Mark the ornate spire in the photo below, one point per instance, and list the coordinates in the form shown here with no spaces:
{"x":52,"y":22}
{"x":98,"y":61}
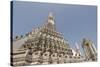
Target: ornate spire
{"x":50,"y":24}
{"x":51,"y":18}
{"x":77,"y":46}
{"x":50,"y":15}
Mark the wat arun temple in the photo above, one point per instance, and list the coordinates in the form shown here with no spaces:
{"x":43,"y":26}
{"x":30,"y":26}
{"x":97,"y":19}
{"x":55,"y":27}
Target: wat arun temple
{"x":45,"y":45}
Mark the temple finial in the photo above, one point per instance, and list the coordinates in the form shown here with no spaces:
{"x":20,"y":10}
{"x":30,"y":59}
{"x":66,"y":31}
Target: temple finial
{"x":51,"y":18}
{"x":50,"y":15}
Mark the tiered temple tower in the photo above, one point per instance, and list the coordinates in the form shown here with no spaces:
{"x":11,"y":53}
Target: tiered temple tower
{"x":89,"y":50}
{"x":44,"y":45}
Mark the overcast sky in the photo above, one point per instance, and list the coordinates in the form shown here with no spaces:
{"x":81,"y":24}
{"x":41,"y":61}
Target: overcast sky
{"x":74,"y":21}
